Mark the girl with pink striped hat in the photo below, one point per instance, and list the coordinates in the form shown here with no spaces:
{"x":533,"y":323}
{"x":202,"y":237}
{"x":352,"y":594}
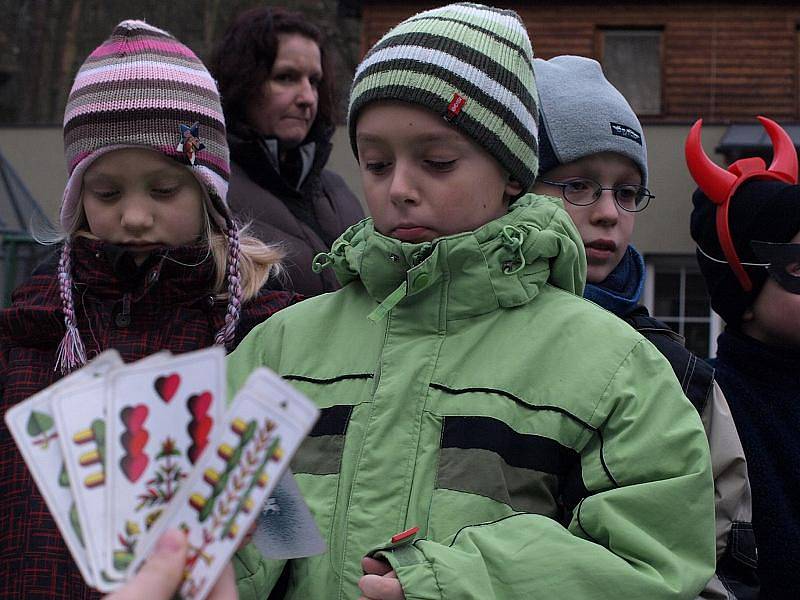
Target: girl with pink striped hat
{"x":151,"y":259}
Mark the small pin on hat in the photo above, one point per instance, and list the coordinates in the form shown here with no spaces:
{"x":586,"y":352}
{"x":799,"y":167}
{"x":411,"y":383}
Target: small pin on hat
{"x":190,"y":143}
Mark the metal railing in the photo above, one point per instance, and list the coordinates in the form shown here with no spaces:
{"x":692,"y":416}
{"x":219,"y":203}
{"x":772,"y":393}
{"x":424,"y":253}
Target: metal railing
{"x":19,"y":252}
{"x":19,"y":255}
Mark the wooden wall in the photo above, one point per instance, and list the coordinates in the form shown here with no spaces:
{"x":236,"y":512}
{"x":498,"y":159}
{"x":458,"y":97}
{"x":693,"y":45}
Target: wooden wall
{"x":724,"y":61}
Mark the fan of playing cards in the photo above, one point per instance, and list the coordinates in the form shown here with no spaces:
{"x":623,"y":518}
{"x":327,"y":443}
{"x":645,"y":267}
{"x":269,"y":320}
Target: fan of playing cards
{"x":123,"y":452}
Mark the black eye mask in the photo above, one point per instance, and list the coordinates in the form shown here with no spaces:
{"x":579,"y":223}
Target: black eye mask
{"x":779,"y":257}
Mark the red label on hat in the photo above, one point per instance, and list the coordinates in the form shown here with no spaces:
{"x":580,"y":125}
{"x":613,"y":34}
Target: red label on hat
{"x":455,"y":106}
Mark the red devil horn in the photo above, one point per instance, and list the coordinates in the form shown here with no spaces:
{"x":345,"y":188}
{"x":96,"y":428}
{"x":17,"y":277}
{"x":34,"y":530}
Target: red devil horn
{"x":785,"y":161}
{"x":715,"y":181}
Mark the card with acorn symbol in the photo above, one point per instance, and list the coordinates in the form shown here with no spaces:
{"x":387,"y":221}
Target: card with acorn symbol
{"x":160,"y":418}
{"x":221,"y":499}
{"x":80,"y":416}
{"x":34,"y":429}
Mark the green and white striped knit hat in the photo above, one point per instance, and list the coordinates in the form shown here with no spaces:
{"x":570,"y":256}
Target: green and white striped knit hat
{"x":470,"y":63}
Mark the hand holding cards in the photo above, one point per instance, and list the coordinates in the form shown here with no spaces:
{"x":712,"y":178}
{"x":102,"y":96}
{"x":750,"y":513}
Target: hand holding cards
{"x":123,"y":452}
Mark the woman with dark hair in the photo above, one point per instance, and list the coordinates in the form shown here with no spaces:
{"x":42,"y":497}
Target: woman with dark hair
{"x":275,"y":79}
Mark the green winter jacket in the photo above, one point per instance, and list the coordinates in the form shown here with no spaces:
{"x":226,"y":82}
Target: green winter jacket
{"x":542,"y":446}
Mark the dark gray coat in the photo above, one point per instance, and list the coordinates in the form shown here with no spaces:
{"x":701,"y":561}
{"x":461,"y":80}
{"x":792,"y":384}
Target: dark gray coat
{"x":305,"y":221}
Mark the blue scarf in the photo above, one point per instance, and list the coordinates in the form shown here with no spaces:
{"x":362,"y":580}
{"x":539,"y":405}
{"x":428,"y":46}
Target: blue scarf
{"x":621,"y":291}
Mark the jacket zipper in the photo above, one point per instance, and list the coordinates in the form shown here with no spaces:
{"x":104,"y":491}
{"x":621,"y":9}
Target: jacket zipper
{"x":377,"y":376}
{"x":123,"y":319}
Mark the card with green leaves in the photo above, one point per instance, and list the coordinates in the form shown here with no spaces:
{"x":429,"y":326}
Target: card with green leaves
{"x":33,"y":427}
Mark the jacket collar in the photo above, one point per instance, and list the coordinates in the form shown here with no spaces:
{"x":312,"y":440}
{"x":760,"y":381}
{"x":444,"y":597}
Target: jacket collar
{"x":182,"y":274}
{"x":502,"y":264}
{"x":758,"y":360}
{"x":307,"y":153}
{"x":621,"y":291}
{"x":249,"y":152}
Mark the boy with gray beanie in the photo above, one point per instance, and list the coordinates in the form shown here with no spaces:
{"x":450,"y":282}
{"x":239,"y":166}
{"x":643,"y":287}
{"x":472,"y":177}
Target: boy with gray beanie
{"x":473,"y":442}
{"x":593,"y":156}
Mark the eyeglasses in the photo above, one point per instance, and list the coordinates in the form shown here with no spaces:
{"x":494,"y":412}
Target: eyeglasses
{"x":583,"y":192}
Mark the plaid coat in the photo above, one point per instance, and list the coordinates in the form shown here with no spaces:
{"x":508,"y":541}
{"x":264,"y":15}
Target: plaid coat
{"x":165,"y":305}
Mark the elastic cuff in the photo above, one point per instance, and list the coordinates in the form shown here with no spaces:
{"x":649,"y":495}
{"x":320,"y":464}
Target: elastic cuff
{"x":415,"y":572}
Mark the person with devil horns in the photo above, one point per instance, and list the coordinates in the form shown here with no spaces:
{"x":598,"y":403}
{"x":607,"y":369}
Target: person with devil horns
{"x":746,"y":222}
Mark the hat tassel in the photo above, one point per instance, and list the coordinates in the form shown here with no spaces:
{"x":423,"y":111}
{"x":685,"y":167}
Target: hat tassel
{"x":71,"y":352}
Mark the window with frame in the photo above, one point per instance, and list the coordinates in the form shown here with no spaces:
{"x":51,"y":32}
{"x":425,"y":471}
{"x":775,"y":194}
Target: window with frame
{"x":631,"y":61}
{"x":675,"y":293}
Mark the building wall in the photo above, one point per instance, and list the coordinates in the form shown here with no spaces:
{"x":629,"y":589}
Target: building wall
{"x":663,"y":227}
{"x":37,"y":155}
{"x":344,"y":163}
{"x":720,"y":60}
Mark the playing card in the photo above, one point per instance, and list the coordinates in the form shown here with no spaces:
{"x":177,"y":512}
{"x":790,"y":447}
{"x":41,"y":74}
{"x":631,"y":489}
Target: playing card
{"x":80,"y":420}
{"x":219,"y":502}
{"x":285,"y":528}
{"x":32,"y":424}
{"x":160,"y":418}
{"x":79,"y":413}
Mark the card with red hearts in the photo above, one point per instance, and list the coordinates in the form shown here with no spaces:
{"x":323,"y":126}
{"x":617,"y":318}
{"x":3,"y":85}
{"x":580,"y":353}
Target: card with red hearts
{"x":160,"y":417}
{"x":221,"y":499}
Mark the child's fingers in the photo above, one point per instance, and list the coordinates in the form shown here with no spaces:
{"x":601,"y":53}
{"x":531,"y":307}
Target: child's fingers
{"x":377,"y":587}
{"x":248,"y":537}
{"x":225,"y":588}
{"x":372,"y":566}
{"x":161,"y":574}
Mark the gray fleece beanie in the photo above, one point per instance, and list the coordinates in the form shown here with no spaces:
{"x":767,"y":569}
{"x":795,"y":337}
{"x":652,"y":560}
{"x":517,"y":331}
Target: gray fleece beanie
{"x":581,"y":113}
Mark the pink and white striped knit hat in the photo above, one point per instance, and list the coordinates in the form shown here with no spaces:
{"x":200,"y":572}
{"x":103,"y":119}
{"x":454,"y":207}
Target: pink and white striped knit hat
{"x":143,"y":88}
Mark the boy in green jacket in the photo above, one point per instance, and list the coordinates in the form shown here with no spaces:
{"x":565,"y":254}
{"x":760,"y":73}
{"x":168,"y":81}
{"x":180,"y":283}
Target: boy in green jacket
{"x":485,"y":432}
